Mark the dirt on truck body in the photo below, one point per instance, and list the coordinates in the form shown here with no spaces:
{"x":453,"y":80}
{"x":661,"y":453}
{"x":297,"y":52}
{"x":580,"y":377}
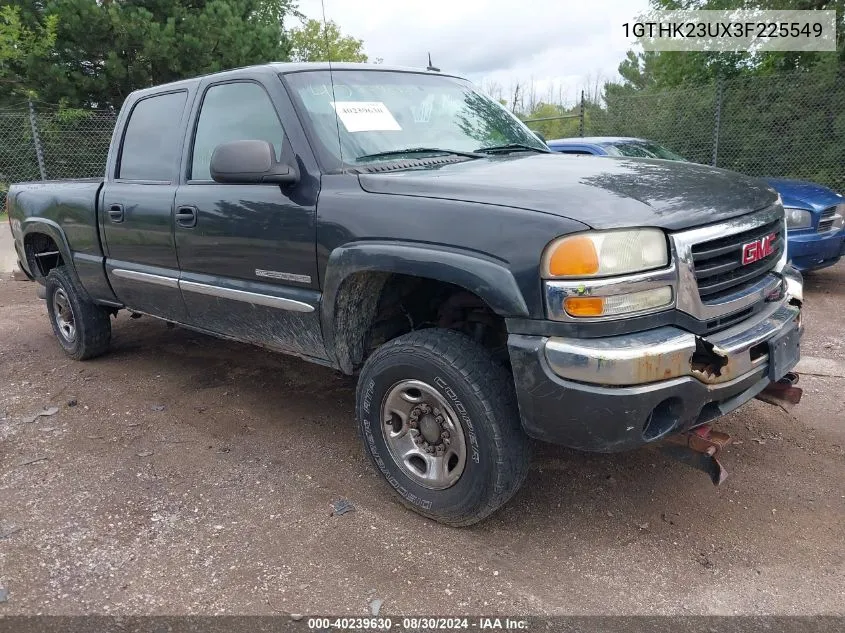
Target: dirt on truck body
{"x":414,"y":234}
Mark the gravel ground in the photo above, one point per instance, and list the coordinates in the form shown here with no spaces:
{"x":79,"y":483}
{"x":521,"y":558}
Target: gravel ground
{"x":183,"y":474}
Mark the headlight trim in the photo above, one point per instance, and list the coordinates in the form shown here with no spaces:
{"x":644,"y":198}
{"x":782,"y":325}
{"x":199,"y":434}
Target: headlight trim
{"x":557,"y":290}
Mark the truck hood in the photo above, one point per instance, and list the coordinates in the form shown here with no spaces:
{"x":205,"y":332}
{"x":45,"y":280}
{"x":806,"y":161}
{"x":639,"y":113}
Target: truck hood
{"x":600,"y":192}
{"x":805,"y":195}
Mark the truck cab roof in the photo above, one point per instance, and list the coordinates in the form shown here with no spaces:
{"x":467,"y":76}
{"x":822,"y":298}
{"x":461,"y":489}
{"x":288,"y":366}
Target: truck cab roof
{"x":283,"y":68}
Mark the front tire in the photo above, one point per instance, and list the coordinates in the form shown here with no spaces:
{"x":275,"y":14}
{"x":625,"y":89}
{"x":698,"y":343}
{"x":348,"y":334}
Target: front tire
{"x":440,"y":422}
{"x":82,"y":328}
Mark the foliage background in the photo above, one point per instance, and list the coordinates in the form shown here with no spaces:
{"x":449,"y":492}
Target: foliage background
{"x":77,"y":60}
{"x":777,"y":114}
{"x":787,"y":124}
{"x":765,"y":114}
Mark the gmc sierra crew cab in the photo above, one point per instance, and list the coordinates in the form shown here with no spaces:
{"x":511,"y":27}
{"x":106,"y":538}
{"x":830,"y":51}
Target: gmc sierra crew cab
{"x":401,"y":226}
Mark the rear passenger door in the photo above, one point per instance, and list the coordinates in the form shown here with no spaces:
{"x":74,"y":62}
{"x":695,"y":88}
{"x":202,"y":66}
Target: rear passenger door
{"x":248,"y":251}
{"x":136,"y":207}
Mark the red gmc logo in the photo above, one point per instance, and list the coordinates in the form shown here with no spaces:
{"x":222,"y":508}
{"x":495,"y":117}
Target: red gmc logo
{"x":759,"y":249}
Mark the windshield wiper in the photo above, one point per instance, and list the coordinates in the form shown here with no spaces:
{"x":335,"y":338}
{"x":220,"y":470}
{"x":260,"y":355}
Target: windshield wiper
{"x":511,"y":147}
{"x":418,"y":150}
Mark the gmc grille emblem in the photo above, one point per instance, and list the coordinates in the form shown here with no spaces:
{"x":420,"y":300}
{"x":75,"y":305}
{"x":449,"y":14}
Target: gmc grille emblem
{"x":758,"y":249}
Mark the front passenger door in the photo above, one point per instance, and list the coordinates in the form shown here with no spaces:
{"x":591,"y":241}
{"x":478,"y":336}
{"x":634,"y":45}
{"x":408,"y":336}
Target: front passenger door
{"x":247,"y":252}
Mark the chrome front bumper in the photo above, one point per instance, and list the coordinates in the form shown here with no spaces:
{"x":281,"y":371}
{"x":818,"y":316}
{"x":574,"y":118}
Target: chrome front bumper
{"x":670,"y":352}
{"x":621,"y":392}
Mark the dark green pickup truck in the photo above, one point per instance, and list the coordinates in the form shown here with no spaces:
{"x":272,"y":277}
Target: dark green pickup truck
{"x":401,"y":226}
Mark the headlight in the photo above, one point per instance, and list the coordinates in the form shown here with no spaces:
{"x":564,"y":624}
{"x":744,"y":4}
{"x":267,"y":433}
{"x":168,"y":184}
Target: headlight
{"x":798,"y":218}
{"x":605,"y":253}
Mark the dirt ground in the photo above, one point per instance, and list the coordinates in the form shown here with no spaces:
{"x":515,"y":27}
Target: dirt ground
{"x":182,"y":474}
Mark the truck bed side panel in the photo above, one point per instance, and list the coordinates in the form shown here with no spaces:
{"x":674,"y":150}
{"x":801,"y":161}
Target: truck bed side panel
{"x":66,"y":211}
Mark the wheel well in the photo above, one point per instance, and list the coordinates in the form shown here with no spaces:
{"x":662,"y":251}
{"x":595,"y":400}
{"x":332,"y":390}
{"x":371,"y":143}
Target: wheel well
{"x":375,"y":307}
{"x":42,"y":254}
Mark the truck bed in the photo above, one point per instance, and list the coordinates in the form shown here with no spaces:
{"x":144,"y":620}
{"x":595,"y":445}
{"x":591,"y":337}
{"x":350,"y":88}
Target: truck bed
{"x":59,"y":208}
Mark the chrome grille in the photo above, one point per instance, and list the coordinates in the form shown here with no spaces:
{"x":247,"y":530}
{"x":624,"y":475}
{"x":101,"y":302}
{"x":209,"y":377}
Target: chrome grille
{"x":718,"y":267}
{"x":827,"y":219}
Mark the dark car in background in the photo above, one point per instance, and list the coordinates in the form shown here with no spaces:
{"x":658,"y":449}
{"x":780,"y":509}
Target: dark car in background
{"x":814,"y":213}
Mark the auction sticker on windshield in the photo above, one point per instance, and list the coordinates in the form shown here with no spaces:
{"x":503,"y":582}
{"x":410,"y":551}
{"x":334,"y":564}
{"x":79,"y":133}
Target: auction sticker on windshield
{"x":365,"y":116}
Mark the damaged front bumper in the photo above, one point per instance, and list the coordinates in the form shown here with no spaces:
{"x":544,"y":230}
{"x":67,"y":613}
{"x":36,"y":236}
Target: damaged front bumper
{"x":669,"y":352}
{"x":620,"y":392}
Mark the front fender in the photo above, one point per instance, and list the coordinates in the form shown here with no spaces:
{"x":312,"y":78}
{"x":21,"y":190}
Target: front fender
{"x":485,"y":277}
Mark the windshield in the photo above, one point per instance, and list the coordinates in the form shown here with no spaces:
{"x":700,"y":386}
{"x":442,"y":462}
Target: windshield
{"x":641,"y":149}
{"x":385,"y":112}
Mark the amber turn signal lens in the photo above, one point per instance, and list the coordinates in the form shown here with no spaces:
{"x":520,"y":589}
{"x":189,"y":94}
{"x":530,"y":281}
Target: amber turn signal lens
{"x":574,"y":257}
{"x":584,"y":306}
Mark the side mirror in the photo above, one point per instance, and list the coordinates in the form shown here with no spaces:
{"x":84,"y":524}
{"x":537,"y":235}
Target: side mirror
{"x":250,"y":162}
{"x":539,"y":135}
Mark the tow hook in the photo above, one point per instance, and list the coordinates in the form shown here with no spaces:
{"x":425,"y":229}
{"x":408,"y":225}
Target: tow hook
{"x":782,"y":393}
{"x":700,"y":449}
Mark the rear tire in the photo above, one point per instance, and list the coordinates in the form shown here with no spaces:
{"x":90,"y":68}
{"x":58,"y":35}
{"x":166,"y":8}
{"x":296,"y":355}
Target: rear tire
{"x":440,"y":422}
{"x":82,"y":328}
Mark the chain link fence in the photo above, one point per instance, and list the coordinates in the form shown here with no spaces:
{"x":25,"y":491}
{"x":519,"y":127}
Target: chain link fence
{"x":790,"y":126}
{"x":786,"y":125}
{"x":51,"y":143}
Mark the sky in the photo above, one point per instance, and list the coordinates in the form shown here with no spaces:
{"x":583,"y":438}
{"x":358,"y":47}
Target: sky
{"x":562,"y":45}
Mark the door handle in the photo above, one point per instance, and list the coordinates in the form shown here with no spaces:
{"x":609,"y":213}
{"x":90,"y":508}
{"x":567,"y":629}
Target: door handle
{"x":116,"y":212}
{"x":186,"y":216}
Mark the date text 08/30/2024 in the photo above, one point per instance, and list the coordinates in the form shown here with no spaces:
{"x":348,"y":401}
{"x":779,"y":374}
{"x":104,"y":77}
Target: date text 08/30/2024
{"x":422,"y":623}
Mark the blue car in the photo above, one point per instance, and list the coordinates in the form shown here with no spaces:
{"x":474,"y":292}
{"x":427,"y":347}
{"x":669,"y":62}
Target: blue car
{"x":814,"y":214}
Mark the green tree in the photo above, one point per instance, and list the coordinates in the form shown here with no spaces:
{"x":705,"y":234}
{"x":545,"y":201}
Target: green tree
{"x":779,"y":113}
{"x":668,"y":69}
{"x":314,"y":42}
{"x":105,"y":49}
{"x":554,"y":128}
{"x":20,"y":44}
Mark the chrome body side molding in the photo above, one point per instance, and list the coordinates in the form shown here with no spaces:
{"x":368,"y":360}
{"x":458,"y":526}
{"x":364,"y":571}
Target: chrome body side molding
{"x":134,"y":275}
{"x":254,"y":298}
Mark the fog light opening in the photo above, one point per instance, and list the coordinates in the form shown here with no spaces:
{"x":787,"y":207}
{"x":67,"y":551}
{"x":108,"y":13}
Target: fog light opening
{"x":663,"y":419}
